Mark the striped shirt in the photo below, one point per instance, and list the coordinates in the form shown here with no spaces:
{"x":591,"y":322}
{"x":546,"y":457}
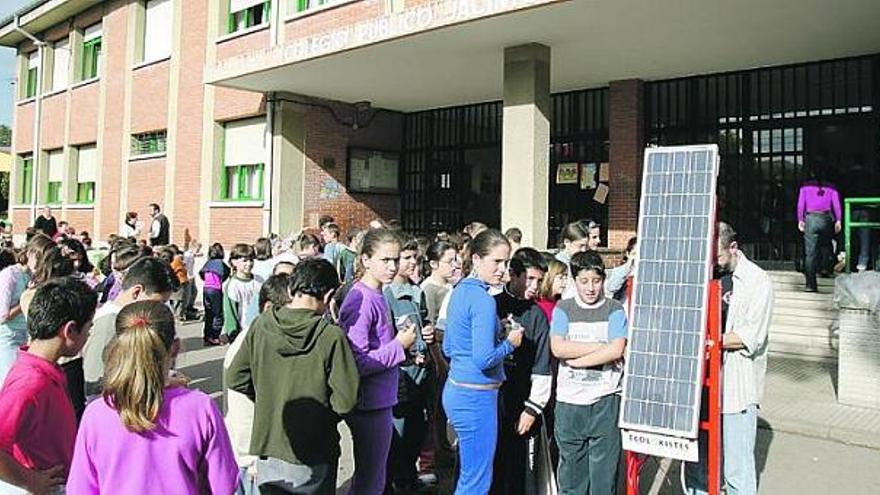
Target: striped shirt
{"x":581,"y":322}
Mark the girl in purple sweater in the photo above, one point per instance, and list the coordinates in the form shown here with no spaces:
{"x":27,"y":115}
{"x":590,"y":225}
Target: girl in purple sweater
{"x":147,"y":434}
{"x":378,"y":351}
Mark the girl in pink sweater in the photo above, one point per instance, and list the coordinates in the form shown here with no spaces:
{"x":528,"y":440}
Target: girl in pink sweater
{"x":147,"y":434}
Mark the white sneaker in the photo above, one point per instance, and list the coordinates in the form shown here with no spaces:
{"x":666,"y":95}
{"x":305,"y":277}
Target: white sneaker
{"x":861,"y":268}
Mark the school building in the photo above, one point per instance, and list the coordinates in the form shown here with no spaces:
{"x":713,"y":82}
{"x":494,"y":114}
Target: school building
{"x":244,"y":117}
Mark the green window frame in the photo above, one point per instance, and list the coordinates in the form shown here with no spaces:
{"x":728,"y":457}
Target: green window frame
{"x":27,"y":177}
{"x":304,"y":5}
{"x":31,"y":87}
{"x":91,"y":56}
{"x":85,"y":193}
{"x":249,"y":17}
{"x":53,"y":193}
{"x":234,"y":182}
{"x":148,"y":143}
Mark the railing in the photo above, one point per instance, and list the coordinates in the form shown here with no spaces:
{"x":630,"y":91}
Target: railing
{"x":848,"y":224}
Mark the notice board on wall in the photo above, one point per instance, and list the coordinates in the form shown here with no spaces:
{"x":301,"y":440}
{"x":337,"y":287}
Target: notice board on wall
{"x":373,"y":171}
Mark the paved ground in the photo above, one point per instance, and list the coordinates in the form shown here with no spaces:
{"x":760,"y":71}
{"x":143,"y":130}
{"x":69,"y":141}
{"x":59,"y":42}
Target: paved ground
{"x":807,"y":443}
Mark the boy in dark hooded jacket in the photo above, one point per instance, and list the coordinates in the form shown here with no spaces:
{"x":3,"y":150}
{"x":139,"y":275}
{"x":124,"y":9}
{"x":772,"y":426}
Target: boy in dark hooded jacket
{"x":301,"y":374}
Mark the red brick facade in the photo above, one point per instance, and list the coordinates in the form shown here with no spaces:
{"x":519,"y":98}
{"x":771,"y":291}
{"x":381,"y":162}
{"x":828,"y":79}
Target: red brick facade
{"x":130,"y":99}
{"x":328,"y":143}
{"x":626,"y":133}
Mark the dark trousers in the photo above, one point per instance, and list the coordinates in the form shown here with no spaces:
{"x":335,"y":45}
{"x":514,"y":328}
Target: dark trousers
{"x":410,"y":427}
{"x":511,"y":457}
{"x":589,"y":447}
{"x":818,"y":231}
{"x":213,"y":313}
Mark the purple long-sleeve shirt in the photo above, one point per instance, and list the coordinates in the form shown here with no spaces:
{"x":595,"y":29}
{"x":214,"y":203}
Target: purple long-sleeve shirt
{"x":188,"y":453}
{"x":367,"y":320}
{"x":816,"y":198}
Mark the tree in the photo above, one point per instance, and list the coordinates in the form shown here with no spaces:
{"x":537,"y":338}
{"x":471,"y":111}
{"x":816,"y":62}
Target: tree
{"x":5,"y":135}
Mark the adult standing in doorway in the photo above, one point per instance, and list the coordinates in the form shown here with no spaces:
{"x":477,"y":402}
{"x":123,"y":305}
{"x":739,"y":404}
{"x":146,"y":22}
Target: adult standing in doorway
{"x":819,"y":218}
{"x":46,"y":223}
{"x":160,"y":230}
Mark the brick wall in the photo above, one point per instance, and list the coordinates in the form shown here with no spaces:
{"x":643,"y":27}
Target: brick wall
{"x":84,"y":114}
{"x":115,"y":32}
{"x":326,"y":138}
{"x":149,"y":100}
{"x":232,"y":225}
{"x":190,"y":112}
{"x":21,"y":220}
{"x":146,"y":184}
{"x":81,"y":220}
{"x":52,"y":122}
{"x":626,"y":134}
{"x":23,"y":134}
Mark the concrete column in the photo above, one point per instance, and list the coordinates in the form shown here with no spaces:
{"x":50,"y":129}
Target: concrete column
{"x":288,"y":168}
{"x":627,"y":135}
{"x":525,"y":152}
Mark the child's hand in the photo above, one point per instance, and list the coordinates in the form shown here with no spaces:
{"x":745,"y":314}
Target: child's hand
{"x":428,"y":334}
{"x":515,"y":337}
{"x":407,"y":336}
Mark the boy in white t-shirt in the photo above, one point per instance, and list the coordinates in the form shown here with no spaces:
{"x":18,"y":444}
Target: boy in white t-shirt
{"x":588,"y":335}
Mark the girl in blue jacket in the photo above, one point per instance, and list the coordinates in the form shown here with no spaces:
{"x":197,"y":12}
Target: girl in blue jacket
{"x":477,"y":347}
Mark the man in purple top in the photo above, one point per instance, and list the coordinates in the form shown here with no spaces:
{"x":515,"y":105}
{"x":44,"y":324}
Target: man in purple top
{"x":819,"y":218}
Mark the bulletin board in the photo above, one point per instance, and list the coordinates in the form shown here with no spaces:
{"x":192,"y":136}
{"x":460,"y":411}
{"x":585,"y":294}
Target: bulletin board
{"x":373,"y":171}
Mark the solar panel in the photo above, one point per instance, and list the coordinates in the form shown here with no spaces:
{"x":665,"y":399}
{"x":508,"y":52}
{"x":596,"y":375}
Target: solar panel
{"x":664,"y":359}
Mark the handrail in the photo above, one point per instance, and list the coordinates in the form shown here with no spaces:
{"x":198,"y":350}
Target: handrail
{"x":849,"y":224}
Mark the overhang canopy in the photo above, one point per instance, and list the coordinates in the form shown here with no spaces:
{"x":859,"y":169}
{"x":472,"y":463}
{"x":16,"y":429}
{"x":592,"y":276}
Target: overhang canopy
{"x":592,"y":42}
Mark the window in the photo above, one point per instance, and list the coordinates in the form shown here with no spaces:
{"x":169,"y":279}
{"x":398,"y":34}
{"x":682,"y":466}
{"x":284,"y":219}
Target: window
{"x":91,"y":53}
{"x":148,"y":143}
{"x":157,"y":30}
{"x":86,"y":172}
{"x":55,"y":161}
{"x":33,"y":63}
{"x":246,"y":13}
{"x":60,"y":64}
{"x":244,"y":153}
{"x":304,"y":5}
{"x":242,"y":182}
{"x":25,"y":184}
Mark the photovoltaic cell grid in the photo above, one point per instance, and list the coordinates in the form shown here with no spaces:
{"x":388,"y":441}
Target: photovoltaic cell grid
{"x":663,"y":369}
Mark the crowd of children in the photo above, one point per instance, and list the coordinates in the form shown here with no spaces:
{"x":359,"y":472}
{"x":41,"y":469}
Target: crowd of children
{"x":394,"y":334}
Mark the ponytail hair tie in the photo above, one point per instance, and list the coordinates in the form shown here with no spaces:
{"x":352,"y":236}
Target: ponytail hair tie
{"x":140,"y":321}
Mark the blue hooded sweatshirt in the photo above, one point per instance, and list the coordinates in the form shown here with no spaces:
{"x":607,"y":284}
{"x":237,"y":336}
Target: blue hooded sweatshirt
{"x":473,"y":339}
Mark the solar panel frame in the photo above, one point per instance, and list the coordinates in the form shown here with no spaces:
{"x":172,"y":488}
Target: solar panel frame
{"x":651,"y":185}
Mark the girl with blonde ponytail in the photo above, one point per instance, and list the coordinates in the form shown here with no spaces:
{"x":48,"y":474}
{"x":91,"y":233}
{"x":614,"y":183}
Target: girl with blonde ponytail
{"x":149,"y":435}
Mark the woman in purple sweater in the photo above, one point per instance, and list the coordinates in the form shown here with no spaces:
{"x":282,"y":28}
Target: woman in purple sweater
{"x":378,"y":351}
{"x":819,"y":218}
{"x":149,"y":435}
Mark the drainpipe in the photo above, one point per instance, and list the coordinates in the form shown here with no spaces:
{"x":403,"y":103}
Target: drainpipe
{"x":38,"y":112}
{"x":268,"y":171}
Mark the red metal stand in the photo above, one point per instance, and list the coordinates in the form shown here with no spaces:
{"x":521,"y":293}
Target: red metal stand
{"x":712,"y":385}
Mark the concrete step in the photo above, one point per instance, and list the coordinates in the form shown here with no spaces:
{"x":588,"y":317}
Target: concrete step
{"x":786,"y":302}
{"x":801,"y":355}
{"x":807,"y":321}
{"x":790,"y":277}
{"x":817,"y":298}
{"x":805,"y":309}
{"x":803,"y":331}
{"x":814,"y":347}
